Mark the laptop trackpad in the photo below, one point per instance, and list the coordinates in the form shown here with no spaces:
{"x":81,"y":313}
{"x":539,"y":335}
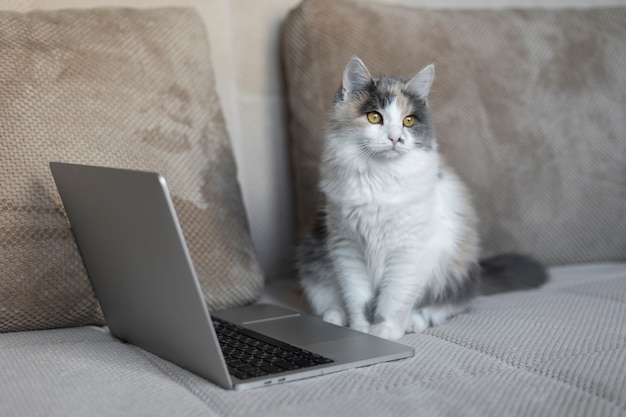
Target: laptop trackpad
{"x":301,"y":330}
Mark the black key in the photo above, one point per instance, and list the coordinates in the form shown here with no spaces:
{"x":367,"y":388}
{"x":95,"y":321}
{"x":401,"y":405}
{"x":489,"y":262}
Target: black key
{"x":257,"y":363}
{"x":305,"y":363}
{"x":237,"y":373}
{"x":263,"y":355}
{"x":251,"y":350}
{"x":317,"y":358}
{"x":271,"y":369}
{"x":257,"y":372}
{"x":287,"y":365}
{"x":247,"y":368}
{"x":235,"y":363}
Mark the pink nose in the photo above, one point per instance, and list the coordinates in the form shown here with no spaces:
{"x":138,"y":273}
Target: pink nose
{"x":395,"y":135}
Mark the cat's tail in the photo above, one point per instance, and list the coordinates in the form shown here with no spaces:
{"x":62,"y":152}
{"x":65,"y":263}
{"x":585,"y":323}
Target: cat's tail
{"x":511,"y":272}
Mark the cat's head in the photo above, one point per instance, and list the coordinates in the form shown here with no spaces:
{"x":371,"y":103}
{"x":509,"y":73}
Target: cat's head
{"x":382,"y":117}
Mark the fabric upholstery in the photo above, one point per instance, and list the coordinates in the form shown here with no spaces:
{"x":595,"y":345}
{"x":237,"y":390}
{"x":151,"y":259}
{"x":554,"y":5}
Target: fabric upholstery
{"x":557,"y":351}
{"x":528,"y":108}
{"x":122,"y":88}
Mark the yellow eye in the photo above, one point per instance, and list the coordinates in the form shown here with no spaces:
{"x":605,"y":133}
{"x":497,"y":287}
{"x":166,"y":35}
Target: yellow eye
{"x":374,"y":117}
{"x":408,"y":121}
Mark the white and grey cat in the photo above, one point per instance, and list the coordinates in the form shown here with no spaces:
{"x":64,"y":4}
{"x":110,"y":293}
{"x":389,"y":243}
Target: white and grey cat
{"x":396,"y":246}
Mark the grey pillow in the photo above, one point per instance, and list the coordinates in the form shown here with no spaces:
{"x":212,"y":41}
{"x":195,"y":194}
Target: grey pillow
{"x":528,"y":106}
{"x":122,"y":88}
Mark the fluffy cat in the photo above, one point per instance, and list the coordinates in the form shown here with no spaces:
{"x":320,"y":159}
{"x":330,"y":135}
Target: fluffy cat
{"x":396,"y":246}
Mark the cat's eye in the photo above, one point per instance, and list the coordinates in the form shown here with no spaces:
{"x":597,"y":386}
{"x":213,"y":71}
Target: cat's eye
{"x":374,"y":117}
{"x":408,"y":121}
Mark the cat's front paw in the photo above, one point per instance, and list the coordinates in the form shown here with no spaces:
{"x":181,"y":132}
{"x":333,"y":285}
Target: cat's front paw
{"x":335,"y":316}
{"x":417,"y":323}
{"x":360,"y":327}
{"x":387,"y":331}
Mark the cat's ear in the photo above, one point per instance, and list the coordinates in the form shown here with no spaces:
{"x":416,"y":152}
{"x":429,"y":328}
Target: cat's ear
{"x":355,"y":77}
{"x":421,"y":83}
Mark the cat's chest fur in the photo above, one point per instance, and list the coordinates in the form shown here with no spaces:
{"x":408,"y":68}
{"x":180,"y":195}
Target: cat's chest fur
{"x":381,"y":184}
{"x":384,"y":205}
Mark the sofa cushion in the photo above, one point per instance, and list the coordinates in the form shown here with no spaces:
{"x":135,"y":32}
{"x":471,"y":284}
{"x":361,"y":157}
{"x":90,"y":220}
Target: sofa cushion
{"x":556,"y":351}
{"x":528,"y":107}
{"x":115,"y":87}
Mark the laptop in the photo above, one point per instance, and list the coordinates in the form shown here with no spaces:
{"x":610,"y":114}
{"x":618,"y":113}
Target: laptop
{"x":136,"y":257}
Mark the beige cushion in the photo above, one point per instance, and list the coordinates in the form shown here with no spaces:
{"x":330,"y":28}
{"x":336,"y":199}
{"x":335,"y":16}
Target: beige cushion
{"x":529,"y":109}
{"x":122,"y":88}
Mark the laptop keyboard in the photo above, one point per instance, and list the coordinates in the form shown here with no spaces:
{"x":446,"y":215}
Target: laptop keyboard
{"x":249,"y":354}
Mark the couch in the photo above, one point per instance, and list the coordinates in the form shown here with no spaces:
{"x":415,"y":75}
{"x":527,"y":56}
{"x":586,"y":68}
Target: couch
{"x":529,"y":109}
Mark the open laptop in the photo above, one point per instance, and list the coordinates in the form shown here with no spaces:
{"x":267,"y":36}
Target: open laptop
{"x":136,"y":257}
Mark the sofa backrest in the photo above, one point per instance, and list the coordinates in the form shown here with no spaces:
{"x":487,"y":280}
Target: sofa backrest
{"x":528,"y":107}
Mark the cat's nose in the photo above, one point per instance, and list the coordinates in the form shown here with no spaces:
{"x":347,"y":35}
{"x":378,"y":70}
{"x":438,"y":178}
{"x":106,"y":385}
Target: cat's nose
{"x":395,"y":135}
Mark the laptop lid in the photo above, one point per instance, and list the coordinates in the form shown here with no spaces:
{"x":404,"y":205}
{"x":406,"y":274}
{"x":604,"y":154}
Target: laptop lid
{"x":131,"y":241}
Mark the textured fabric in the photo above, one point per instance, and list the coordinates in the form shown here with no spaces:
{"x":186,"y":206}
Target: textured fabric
{"x":84,"y":372}
{"x":122,"y":88}
{"x":528,"y":107}
{"x":558,"y":351}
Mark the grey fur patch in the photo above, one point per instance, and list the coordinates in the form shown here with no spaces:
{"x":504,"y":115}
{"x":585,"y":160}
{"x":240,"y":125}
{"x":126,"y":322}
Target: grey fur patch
{"x":457,"y":290}
{"x":511,"y":272}
{"x":313,"y":262}
{"x":370,"y":311}
{"x":378,"y":95}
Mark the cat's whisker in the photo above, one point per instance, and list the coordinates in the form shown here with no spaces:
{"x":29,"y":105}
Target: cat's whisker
{"x":366,"y":151}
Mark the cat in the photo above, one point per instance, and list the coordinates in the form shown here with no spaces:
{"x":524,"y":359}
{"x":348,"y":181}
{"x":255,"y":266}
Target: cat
{"x":396,"y":245}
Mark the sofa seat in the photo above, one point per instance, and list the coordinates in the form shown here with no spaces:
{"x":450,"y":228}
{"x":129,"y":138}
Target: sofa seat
{"x":558,"y":350}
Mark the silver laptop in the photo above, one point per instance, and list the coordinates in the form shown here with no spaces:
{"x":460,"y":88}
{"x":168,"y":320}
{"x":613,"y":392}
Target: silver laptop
{"x":129,"y":236}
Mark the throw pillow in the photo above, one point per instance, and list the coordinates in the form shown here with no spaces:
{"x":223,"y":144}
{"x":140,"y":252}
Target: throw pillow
{"x":122,"y":88}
